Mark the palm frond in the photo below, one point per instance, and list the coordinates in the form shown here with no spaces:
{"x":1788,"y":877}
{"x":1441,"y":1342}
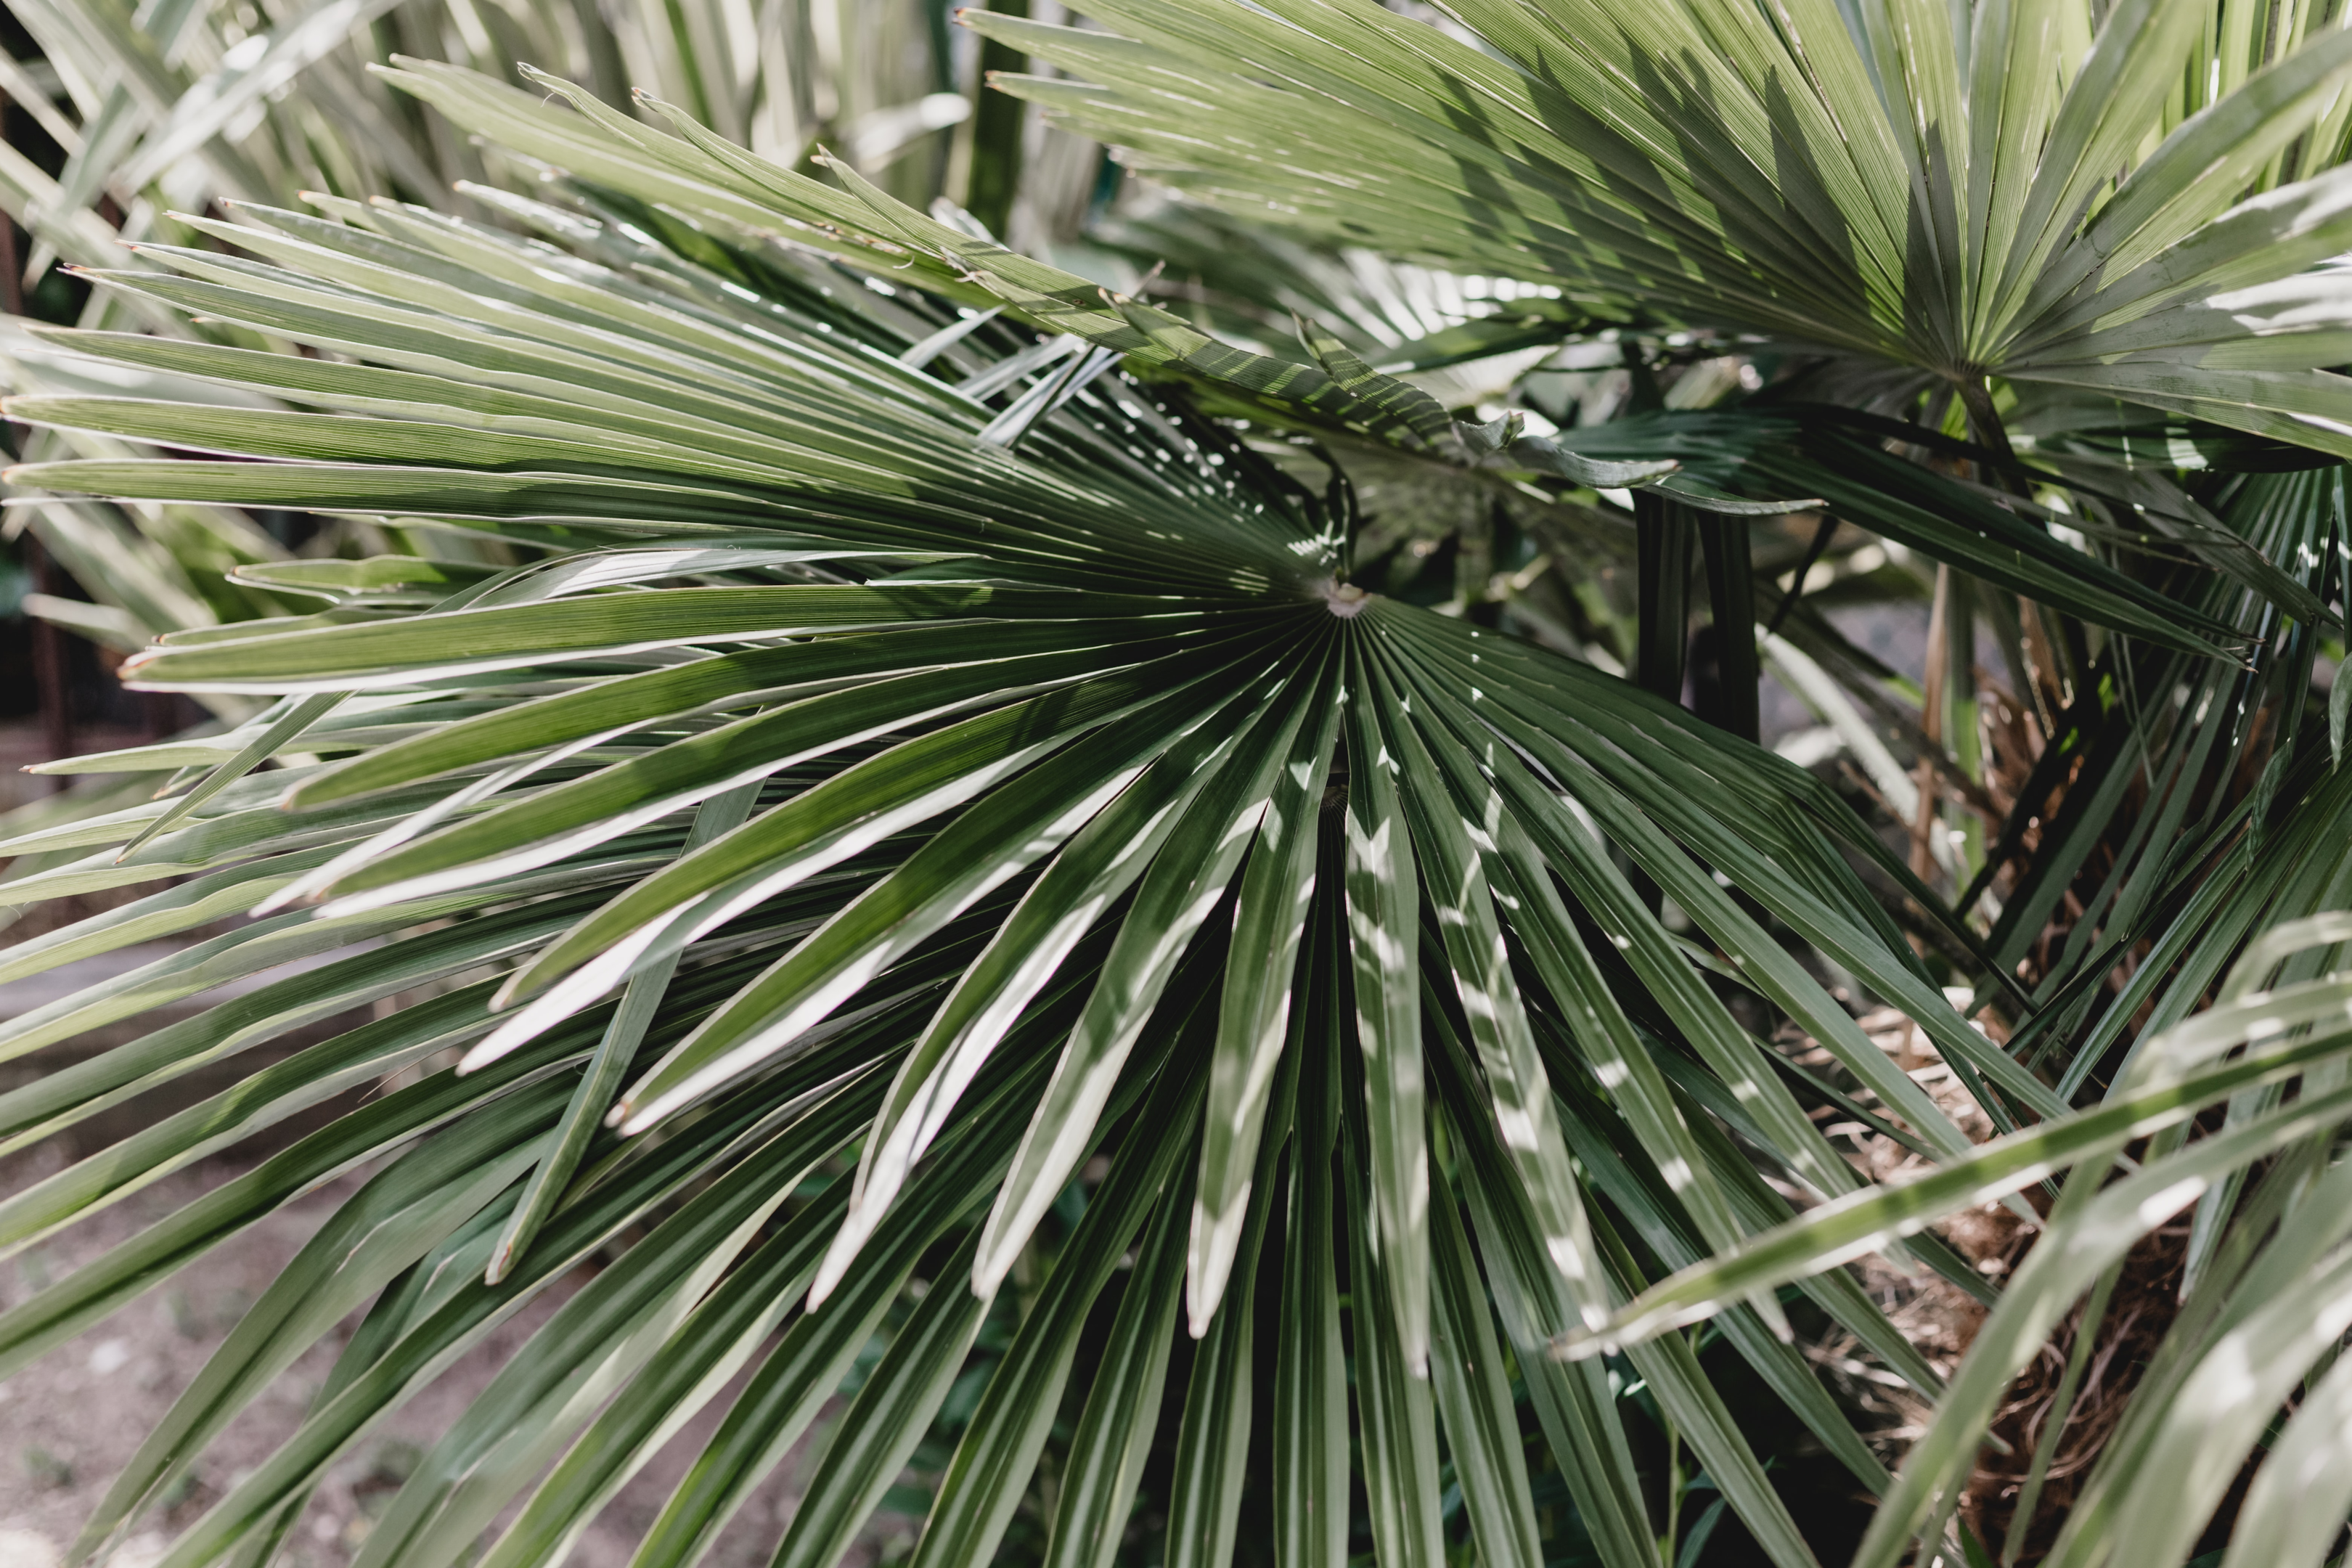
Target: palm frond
{"x":886,"y":775}
{"x":2026,"y":196}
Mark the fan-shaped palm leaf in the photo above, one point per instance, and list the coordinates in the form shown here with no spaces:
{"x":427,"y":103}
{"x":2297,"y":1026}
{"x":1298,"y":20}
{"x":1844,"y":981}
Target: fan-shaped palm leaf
{"x":2132,"y":200}
{"x":987,"y":802}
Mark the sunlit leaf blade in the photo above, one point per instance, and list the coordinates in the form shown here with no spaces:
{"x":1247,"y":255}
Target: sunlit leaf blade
{"x":1473,"y":951}
{"x":1053,"y":917}
{"x":397,"y":1217}
{"x":990,"y":1472}
{"x":1310,"y":1379}
{"x":1260,"y":1006}
{"x":870,"y":1444}
{"x":978,"y":853}
{"x":1394,"y":1410}
{"x":1864,"y":1220}
{"x":724,"y":1332}
{"x":1186,"y":881}
{"x":1571,"y":1400}
{"x":1213,"y":1442}
{"x":1474,"y":1401}
{"x":802,"y":1370}
{"x":602,"y":1081}
{"x":1384,"y":935}
{"x":1130,"y":1385}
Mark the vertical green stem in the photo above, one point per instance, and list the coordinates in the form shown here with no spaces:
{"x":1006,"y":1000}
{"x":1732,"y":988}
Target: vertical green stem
{"x":1731,"y":600}
{"x":1663,"y":613}
{"x":1985,"y":427}
{"x":997,"y":122}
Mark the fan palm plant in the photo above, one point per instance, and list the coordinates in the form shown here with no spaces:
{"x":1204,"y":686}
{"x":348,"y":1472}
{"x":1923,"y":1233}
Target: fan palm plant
{"x":943,"y":794}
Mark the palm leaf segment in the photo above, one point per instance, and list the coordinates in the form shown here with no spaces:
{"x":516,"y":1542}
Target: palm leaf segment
{"x":909,"y":735}
{"x":2004,"y":188}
